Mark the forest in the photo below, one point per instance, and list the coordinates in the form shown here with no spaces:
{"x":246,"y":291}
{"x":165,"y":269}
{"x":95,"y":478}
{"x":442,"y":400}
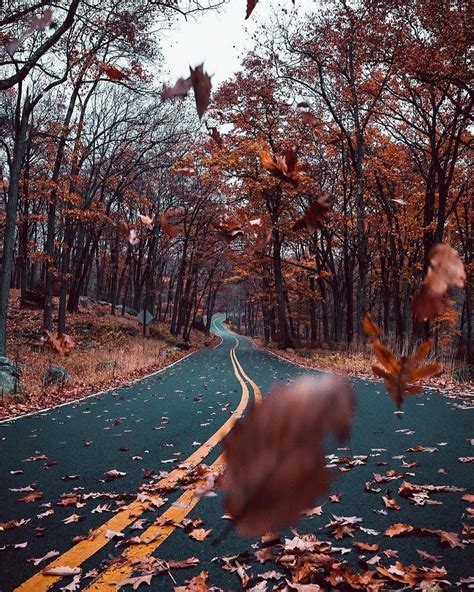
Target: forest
{"x":112,"y":192}
{"x":191,"y":263}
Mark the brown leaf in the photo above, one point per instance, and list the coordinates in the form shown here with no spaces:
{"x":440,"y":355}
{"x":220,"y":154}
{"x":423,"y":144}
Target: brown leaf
{"x":366,"y":546}
{"x":111,"y":72}
{"x":199,"y":534}
{"x":397,"y":529}
{"x":275,"y":466}
{"x":31,"y":497}
{"x":146,"y":220}
{"x":283,"y":166}
{"x":168,"y":219}
{"x":201,"y":83}
{"x":399,"y":375}
{"x":250,"y":6}
{"x":135,"y":582}
{"x":61,"y":571}
{"x":196,"y":584}
{"x":180,"y":89}
{"x":315,"y":215}
{"x":446,"y":269}
{"x":60,"y":342}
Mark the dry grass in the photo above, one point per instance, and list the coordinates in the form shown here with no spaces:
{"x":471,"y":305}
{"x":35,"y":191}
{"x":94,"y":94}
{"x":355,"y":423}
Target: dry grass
{"x":110,"y":351}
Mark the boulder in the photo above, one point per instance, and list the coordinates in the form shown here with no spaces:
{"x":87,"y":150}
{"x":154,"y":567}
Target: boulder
{"x":56,"y":375}
{"x":8,"y":375}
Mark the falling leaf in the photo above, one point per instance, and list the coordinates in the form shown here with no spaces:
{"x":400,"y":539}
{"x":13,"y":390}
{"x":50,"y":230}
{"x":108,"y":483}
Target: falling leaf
{"x":284,"y":166}
{"x":60,"y":342}
{"x":215,"y":135}
{"x":275,"y":467}
{"x":228,"y":229}
{"x":37,"y":23}
{"x":146,"y":220}
{"x":133,"y":238}
{"x":201,"y":83}
{"x":401,"y":375}
{"x":168,"y":219}
{"x":111,"y":72}
{"x":315,"y":215}
{"x":446,"y":269}
{"x":251,"y":4}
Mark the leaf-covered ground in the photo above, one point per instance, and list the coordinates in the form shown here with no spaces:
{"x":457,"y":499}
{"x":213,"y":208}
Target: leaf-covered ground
{"x":398,"y":514}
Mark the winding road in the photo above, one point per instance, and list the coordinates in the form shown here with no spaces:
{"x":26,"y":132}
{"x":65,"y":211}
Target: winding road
{"x":56,"y":474}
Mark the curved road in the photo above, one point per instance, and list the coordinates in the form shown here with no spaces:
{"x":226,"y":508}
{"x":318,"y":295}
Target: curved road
{"x":54,"y":463}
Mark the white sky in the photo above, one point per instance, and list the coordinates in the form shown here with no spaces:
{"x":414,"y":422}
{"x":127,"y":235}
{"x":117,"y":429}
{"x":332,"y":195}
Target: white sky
{"x":219,"y":39}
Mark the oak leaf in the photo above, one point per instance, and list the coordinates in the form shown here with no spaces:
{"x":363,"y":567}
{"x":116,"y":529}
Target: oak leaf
{"x":401,"y":375}
{"x":284,"y":166}
{"x":275,"y":466}
{"x":168,"y":219}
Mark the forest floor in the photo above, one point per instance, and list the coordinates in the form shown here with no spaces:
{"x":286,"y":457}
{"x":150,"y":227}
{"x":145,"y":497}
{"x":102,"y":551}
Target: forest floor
{"x":359,"y":363}
{"x":110,"y":351}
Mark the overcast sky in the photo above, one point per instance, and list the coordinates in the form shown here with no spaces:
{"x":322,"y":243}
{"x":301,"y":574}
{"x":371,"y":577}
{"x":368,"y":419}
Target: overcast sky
{"x":219,"y":39}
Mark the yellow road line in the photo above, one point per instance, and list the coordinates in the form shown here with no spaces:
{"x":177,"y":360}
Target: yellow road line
{"x":158,"y":532}
{"x":256,"y":390}
{"x":80,"y":552}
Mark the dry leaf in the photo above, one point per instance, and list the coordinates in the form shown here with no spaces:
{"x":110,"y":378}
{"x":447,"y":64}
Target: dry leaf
{"x":275,"y":466}
{"x":180,"y":89}
{"x":146,"y":220}
{"x":284,"y":166}
{"x":201,"y":83}
{"x":61,"y":571}
{"x":315,"y":215}
{"x":251,"y":4}
{"x":397,"y":529}
{"x":168,"y":219}
{"x":135,"y":582}
{"x":196,"y":584}
{"x":401,"y":375}
{"x":446,"y":269}
{"x":111,"y":72}
{"x":60,"y":342}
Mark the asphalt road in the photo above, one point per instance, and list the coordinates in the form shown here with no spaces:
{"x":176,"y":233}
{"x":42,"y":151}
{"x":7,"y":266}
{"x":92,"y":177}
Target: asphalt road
{"x":178,"y":416}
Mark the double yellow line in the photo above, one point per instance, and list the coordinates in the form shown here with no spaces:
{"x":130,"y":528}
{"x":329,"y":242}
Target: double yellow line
{"x":156,"y":534}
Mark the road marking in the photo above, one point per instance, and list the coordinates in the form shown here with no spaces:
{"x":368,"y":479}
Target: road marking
{"x":85,"y":549}
{"x":160,"y":532}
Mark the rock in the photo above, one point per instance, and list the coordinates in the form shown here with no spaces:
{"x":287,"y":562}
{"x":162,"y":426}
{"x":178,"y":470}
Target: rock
{"x":183,"y":345}
{"x":131,"y":311}
{"x":56,"y":375}
{"x":85,"y":301}
{"x":89,"y":344}
{"x":9,"y":375}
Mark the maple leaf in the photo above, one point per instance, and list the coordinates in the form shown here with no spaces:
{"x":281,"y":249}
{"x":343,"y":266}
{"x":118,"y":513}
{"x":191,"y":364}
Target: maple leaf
{"x":400,"y":375}
{"x":274,"y":464}
{"x":446,"y":269}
